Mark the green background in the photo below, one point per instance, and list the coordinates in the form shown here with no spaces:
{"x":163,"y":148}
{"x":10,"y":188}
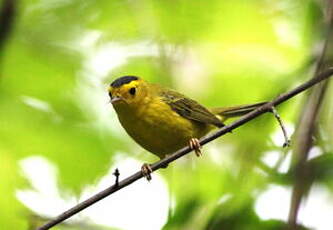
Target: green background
{"x":61,"y":56}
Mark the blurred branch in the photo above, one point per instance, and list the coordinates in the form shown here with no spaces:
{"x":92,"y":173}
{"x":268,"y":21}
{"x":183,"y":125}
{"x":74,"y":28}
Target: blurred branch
{"x":35,"y":220}
{"x":306,"y":127}
{"x":7,"y":14}
{"x":167,"y":160}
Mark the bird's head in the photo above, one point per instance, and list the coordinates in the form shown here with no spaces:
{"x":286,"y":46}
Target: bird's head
{"x":127,"y":90}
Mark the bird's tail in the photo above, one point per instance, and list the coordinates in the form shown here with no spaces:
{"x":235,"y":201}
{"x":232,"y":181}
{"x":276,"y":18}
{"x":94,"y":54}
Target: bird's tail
{"x":235,"y":111}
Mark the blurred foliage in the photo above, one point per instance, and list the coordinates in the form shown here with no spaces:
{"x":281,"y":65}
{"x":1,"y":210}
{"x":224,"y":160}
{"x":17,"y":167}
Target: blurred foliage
{"x":245,"y":218}
{"x":61,"y":55}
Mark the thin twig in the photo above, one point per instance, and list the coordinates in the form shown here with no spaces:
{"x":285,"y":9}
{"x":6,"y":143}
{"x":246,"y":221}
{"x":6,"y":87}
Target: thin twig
{"x":116,"y":174}
{"x":278,"y":118}
{"x":220,"y":132}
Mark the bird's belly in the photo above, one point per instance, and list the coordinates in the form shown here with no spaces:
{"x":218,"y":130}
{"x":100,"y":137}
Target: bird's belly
{"x":160,"y":130}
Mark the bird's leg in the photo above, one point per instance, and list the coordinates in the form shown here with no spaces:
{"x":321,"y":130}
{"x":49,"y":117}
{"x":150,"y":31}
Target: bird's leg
{"x":146,"y":171}
{"x":194,"y":144}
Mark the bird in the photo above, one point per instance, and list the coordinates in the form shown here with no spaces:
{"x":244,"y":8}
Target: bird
{"x":162,"y":120}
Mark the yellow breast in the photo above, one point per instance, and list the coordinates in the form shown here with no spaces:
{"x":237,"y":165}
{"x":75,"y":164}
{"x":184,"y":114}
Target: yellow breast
{"x":157,"y":128}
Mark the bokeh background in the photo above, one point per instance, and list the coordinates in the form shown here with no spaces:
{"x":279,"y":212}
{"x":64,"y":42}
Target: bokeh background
{"x":60,"y":139}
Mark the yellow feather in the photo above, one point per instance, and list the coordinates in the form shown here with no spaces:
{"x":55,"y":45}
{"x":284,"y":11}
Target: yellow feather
{"x":153,"y":123}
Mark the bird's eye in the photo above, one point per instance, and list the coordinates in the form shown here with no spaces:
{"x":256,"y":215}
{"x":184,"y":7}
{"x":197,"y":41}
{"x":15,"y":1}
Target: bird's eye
{"x":110,"y":94}
{"x":132,"y":91}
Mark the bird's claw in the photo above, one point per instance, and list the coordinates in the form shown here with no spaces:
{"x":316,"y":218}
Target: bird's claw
{"x":146,"y":171}
{"x":195,"y":145}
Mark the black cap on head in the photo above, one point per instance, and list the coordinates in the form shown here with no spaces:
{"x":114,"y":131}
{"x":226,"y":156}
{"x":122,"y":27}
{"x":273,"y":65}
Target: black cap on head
{"x":123,"y":80}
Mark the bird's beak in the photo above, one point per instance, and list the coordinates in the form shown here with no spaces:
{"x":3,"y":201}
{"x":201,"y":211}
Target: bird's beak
{"x":116,"y":99}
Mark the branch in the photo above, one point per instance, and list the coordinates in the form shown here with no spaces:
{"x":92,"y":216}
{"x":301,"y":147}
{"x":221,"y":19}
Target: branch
{"x":306,"y":127}
{"x":167,"y":160}
{"x":7,"y":13}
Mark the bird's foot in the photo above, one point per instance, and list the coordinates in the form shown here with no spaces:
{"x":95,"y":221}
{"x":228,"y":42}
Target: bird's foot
{"x":146,"y":171}
{"x":195,"y":145}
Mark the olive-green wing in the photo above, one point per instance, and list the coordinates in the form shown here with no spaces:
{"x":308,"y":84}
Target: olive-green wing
{"x":189,"y":108}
